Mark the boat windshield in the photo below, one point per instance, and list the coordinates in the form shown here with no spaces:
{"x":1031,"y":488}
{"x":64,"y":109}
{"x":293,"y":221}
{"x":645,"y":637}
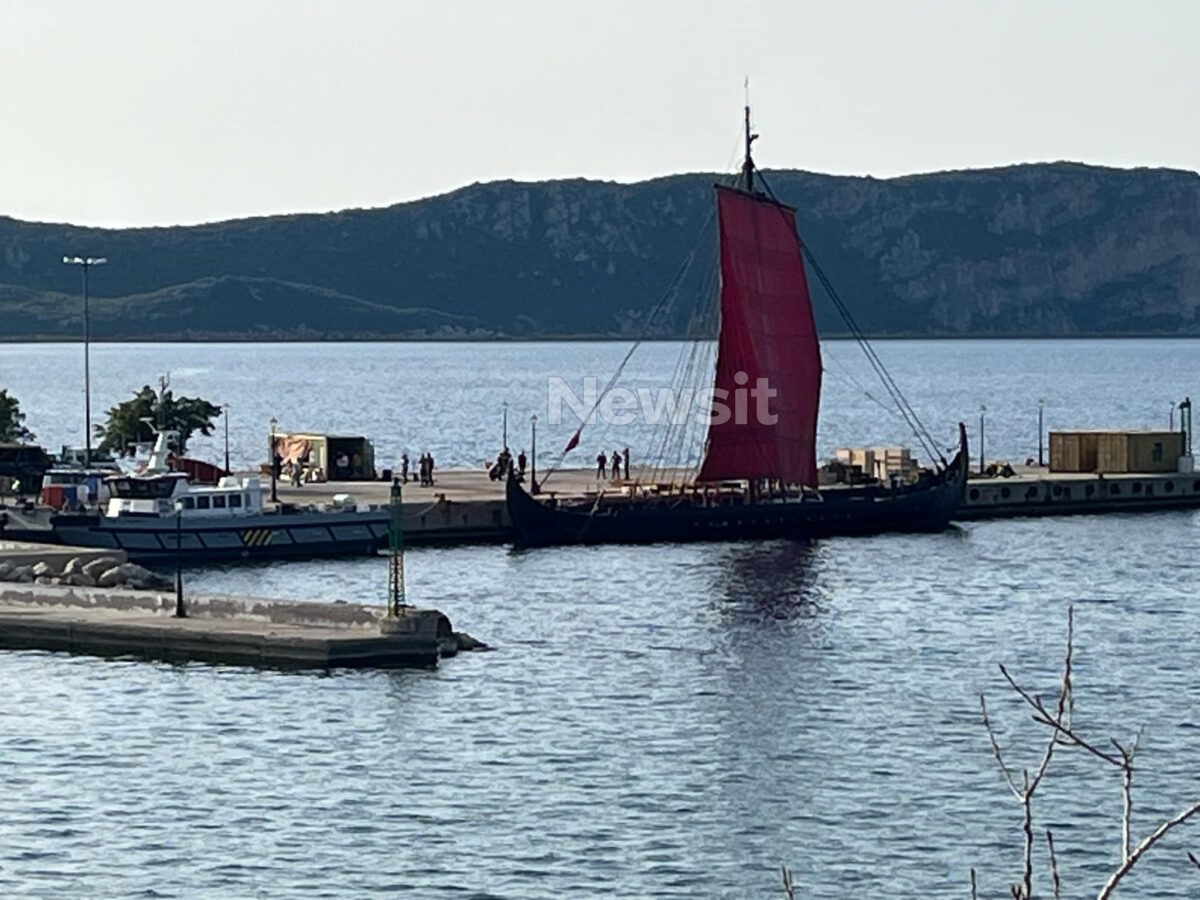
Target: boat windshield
{"x":142,"y":488}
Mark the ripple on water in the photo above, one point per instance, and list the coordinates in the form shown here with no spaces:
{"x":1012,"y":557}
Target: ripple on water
{"x":635,"y":733}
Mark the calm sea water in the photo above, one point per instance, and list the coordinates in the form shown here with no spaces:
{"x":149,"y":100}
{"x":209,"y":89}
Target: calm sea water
{"x":448,"y":398}
{"x":655,"y":722}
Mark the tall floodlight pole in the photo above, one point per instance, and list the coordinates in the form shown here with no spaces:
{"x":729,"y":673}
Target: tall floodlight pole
{"x":86,"y":262}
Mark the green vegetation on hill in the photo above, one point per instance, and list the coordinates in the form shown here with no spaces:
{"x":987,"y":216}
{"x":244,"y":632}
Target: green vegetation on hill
{"x":1053,"y":249}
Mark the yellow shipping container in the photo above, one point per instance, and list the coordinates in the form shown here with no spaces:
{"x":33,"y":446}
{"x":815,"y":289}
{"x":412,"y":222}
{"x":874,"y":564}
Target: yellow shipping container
{"x":1139,"y":451}
{"x":1073,"y":451}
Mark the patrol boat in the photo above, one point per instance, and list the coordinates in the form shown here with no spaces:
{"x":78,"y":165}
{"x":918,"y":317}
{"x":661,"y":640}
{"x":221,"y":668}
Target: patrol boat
{"x":158,"y":514}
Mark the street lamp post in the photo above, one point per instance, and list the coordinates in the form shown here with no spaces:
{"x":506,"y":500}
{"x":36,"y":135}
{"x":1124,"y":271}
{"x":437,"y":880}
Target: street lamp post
{"x":1041,"y":456}
{"x":87,"y":262}
{"x":533,"y":485}
{"x":225,"y":416}
{"x":982,"y":411}
{"x":180,"y":612}
{"x":504,"y":442}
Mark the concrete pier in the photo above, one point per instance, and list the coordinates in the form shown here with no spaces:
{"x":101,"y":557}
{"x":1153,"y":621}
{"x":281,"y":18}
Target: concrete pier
{"x":463,"y":506}
{"x":269,"y":633}
{"x":1038,"y":492}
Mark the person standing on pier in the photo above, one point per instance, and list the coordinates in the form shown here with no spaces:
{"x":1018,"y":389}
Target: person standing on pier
{"x":601,"y":465}
{"x":404,"y":468}
{"x":616,"y":465}
{"x":429,"y":463}
{"x":521,"y":463}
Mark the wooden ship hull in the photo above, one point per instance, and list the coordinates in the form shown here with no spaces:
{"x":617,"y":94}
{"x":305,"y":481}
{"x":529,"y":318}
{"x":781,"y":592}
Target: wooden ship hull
{"x":925,"y":506}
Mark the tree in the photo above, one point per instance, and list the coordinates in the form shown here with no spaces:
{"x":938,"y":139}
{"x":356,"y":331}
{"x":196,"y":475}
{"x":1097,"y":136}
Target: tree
{"x":1063,"y":732}
{"x":130,"y":423}
{"x":1062,"y":735}
{"x":12,"y":427}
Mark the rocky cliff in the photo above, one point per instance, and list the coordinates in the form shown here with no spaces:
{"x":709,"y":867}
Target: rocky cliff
{"x":1028,"y":250}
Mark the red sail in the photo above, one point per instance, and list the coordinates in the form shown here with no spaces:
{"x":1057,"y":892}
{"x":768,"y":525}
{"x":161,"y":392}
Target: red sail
{"x":768,"y":340}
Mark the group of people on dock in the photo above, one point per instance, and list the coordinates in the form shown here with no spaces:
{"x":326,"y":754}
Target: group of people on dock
{"x":603,"y":463}
{"x":424,"y":469}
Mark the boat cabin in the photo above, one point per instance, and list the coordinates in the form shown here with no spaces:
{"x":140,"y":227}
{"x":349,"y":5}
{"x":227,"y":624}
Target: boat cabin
{"x":164,"y":494}
{"x":158,"y":491}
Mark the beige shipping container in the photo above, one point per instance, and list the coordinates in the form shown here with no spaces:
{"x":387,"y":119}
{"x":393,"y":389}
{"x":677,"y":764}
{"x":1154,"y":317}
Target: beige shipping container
{"x":1074,"y":451}
{"x":1139,"y":451}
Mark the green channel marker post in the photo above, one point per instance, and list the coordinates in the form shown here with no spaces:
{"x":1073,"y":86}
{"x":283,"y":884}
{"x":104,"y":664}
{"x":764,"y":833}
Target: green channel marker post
{"x":396,"y":599}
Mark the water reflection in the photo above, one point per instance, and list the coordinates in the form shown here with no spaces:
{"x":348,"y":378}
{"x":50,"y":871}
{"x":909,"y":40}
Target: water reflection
{"x":767,"y":580}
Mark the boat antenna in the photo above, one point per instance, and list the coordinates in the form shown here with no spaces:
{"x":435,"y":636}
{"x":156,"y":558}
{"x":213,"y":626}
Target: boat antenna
{"x":748,"y":165}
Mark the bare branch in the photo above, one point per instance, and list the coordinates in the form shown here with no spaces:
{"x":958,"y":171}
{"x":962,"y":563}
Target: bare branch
{"x":1042,"y":715}
{"x":1064,"y":693}
{"x":1054,"y":865}
{"x":1141,"y":848}
{"x":1060,"y":721}
{"x":987,"y":723}
{"x":1043,"y":718}
{"x":1127,"y":788}
{"x":789,"y":887}
{"x":1127,"y":812}
{"x":1027,"y":804}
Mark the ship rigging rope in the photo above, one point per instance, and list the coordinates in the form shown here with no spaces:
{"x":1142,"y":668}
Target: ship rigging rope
{"x":693,"y":370}
{"x":848,"y":378}
{"x":658,"y":312}
{"x":910,"y":415}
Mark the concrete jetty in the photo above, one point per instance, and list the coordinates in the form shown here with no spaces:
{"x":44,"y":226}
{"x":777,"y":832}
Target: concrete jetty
{"x":464,"y":506}
{"x":225,"y":630}
{"x":1033,"y":491}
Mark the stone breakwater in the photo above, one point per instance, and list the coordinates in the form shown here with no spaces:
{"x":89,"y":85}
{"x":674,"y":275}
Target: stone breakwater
{"x":80,"y":571}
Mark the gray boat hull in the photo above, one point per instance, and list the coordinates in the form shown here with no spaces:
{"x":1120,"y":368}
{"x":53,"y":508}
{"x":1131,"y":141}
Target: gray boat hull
{"x":297,"y":535}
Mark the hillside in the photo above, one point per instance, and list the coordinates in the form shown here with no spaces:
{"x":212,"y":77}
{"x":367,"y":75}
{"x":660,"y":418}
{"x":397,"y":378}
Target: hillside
{"x":1053,"y":249}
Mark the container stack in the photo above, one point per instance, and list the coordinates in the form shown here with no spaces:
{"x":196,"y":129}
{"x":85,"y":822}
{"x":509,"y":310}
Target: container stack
{"x":1115,"y":452}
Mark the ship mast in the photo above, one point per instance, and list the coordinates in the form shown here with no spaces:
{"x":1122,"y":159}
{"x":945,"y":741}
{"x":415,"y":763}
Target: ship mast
{"x":748,"y":165}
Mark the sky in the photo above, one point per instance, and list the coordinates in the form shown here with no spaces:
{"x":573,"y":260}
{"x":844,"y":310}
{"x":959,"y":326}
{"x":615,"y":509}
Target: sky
{"x":158,"y":112}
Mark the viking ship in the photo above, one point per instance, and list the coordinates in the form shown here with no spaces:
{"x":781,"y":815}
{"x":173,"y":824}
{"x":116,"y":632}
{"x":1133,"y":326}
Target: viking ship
{"x":758,"y":478}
